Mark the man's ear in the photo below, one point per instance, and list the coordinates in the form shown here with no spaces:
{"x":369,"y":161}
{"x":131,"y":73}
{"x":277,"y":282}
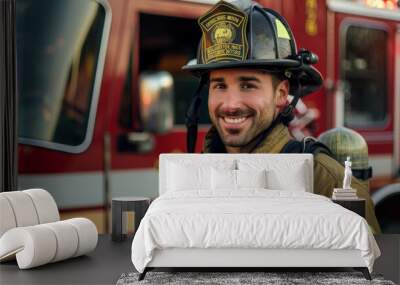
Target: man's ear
{"x":281,"y":93}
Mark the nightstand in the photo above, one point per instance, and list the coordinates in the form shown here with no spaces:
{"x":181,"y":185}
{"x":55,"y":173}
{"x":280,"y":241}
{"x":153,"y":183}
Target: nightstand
{"x":120,"y":206}
{"x":355,"y":205}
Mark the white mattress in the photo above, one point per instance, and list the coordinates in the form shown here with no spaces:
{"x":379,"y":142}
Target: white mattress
{"x":253,"y":218}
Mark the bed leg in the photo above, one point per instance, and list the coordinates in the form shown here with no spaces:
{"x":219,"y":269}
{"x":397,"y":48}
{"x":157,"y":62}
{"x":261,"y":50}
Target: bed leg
{"x":364,"y":271}
{"x":143,"y":274}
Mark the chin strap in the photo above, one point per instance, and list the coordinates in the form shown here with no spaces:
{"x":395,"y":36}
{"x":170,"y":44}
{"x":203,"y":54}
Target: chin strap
{"x":192,"y":116}
{"x":287,"y":114}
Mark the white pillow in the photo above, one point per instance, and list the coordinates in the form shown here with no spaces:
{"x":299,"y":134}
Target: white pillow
{"x":192,"y":174}
{"x":228,"y":179}
{"x":251,"y":178}
{"x":280,"y":174}
{"x":292,"y":179}
{"x":223,"y":179}
{"x":183,"y":177}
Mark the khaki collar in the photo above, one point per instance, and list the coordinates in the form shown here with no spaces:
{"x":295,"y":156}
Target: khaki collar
{"x":273,"y":143}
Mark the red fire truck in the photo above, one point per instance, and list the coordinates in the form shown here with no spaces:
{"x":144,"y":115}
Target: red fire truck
{"x":102,"y":94}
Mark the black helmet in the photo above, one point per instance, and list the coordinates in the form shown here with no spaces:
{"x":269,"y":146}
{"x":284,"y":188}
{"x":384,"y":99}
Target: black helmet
{"x":254,"y":37}
{"x":248,"y":35}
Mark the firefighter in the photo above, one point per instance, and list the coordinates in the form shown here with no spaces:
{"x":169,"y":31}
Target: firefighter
{"x":248,"y":60}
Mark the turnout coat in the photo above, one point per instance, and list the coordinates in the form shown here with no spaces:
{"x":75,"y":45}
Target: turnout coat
{"x":328,"y":173}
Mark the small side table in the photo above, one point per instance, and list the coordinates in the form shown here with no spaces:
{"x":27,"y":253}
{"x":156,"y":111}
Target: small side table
{"x":355,"y":205}
{"x":119,"y":205}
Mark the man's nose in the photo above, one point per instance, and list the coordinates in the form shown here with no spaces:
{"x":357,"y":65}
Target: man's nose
{"x":232,"y":101}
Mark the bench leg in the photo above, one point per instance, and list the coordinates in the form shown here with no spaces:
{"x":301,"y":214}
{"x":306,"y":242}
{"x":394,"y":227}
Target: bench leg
{"x":364,"y":271}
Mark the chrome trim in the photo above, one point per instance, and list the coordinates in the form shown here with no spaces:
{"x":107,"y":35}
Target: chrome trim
{"x":107,"y":178}
{"x":95,"y":94}
{"x":339,"y":103}
{"x":359,"y":9}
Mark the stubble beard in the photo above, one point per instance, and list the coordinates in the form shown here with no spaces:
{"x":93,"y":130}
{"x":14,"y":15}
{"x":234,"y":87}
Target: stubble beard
{"x":242,"y":138}
{"x":235,"y":138}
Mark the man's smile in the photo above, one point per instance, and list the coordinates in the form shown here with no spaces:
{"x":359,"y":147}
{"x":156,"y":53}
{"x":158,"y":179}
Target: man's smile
{"x":230,"y":120}
{"x":234,"y":122}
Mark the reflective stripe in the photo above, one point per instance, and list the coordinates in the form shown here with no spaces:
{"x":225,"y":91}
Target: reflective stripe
{"x":85,"y":189}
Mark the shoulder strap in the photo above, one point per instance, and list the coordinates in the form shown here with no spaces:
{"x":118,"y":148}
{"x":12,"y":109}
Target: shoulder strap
{"x":312,"y":145}
{"x":293,"y":146}
{"x":307,"y":145}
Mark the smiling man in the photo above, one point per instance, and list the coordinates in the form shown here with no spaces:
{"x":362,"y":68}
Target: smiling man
{"x":242,"y":102}
{"x":249,"y":61}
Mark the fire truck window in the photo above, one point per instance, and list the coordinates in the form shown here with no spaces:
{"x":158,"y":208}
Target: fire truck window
{"x":58,"y":44}
{"x":168,"y":43}
{"x":364,"y":75}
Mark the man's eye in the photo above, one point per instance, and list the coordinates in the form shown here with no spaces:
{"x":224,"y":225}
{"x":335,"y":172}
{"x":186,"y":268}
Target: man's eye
{"x":247,"y":86}
{"x":219,"y":86}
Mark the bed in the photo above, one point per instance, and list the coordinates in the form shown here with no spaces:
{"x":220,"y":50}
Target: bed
{"x":247,"y":210}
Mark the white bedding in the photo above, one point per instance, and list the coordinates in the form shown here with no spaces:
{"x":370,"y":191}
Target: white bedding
{"x":251,"y":218}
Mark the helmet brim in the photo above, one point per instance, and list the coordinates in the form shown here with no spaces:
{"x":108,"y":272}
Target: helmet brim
{"x":268,"y":65}
{"x":310,"y":79}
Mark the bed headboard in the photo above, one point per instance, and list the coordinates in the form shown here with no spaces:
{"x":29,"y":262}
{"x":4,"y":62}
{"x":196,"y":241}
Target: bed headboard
{"x":269,"y":160}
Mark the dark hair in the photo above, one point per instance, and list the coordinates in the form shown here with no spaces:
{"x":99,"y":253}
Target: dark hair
{"x":277,"y":78}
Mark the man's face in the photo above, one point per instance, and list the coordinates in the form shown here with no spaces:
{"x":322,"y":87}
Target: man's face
{"x":242,"y":103}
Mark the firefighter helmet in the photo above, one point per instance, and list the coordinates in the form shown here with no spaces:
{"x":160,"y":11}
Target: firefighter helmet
{"x":344,"y":142}
{"x":254,"y":37}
